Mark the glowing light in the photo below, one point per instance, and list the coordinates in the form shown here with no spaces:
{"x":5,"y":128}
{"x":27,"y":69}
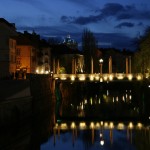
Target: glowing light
{"x":102,"y":123}
{"x":63,"y":126}
{"x":117,"y":98}
{"x":85,"y":101}
{"x":110,"y":77}
{"x":139,"y":77}
{"x":123,"y":98}
{"x":99,"y":101}
{"x":120,"y":76}
{"x":101,"y":79}
{"x":91,"y":101}
{"x":42,"y":71}
{"x":82,"y":78}
{"x":37,"y":71}
{"x":130,"y":125}
{"x":46,"y":72}
{"x":107,"y":92}
{"x":82,"y":125}
{"x":101,"y":135}
{"x":111,"y":125}
{"x":130,"y":77}
{"x":63,"y":78}
{"x":92,"y":125}
{"x":105,"y":78}
{"x":97,"y":78}
{"x":139,"y":125}
{"x":91,"y":77}
{"x":102,"y":142}
{"x":73,"y":125}
{"x":106,"y":124}
{"x":120,"y":126}
{"x":72,"y":78}
{"x":97,"y":125}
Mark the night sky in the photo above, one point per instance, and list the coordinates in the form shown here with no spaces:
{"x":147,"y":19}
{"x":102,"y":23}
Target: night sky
{"x":114,"y":23}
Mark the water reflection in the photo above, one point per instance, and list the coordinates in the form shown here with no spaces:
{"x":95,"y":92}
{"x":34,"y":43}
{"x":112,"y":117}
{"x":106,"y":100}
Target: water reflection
{"x":99,"y":135}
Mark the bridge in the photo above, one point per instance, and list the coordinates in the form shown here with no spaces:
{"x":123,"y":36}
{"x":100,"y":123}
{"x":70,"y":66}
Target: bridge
{"x":98,"y":77}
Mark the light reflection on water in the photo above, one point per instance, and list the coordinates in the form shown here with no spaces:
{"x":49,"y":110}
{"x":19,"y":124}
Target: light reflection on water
{"x":98,"y":135}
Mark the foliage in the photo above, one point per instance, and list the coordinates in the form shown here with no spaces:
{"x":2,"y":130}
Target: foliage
{"x":141,"y":58}
{"x":89,"y":49}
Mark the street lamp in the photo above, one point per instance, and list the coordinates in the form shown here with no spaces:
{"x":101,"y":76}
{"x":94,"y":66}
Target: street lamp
{"x":101,"y":65}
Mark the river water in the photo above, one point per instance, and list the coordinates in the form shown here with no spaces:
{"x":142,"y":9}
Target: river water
{"x":93,"y":116}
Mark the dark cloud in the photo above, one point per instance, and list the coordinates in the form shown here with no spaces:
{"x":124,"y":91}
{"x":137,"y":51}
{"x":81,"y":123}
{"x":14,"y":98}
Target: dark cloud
{"x":81,"y":20}
{"x":125,"y":24}
{"x":112,"y":9}
{"x":115,"y":10}
{"x":124,"y":40}
{"x":140,"y":24}
{"x":86,"y":20}
{"x":67,"y":19}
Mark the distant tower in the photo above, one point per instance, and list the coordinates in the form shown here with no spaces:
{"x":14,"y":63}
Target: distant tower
{"x":70,"y":42}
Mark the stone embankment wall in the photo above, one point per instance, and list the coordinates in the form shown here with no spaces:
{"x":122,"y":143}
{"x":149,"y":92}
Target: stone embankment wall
{"x":21,"y":100}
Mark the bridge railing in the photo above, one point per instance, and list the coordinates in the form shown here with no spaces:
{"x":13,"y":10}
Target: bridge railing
{"x":100,"y":77}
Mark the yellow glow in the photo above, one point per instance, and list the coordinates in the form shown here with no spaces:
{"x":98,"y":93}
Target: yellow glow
{"x":73,"y":125}
{"x":82,"y":78}
{"x":130,"y":125}
{"x":82,"y":125}
{"x":110,"y":77}
{"x":63,"y":78}
{"x":92,"y":125}
{"x":120,"y":126}
{"x":56,"y":125}
{"x":97,"y":78}
{"x":37,"y":71}
{"x":102,"y":123}
{"x":106,"y":124}
{"x":42,"y":71}
{"x":72,"y":78}
{"x":139,"y":125}
{"x":111,"y":125}
{"x":99,"y":101}
{"x":139,"y":77}
{"x":63,"y":126}
{"x":97,"y":125}
{"x":91,"y":101}
{"x":101,"y":79}
{"x":46,"y":72}
{"x":91,"y":77}
{"x":130,"y":76}
{"x":85,"y":101}
{"x":105,"y":78}
{"x":120,"y":76}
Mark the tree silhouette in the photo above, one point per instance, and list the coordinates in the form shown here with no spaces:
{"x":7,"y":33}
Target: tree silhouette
{"x":89,"y":49}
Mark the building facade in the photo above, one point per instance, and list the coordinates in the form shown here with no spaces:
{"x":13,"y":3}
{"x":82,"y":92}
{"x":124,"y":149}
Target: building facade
{"x":7,"y":48}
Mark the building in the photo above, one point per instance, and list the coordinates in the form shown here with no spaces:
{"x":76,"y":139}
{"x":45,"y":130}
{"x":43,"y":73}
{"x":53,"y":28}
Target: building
{"x":26,"y":52}
{"x":71,"y":43}
{"x":7,"y":48}
{"x":44,"y":58}
{"x":66,"y":59}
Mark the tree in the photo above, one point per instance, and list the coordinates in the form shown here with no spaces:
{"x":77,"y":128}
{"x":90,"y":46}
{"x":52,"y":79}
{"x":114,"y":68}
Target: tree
{"x":89,"y":49}
{"x":141,"y":58}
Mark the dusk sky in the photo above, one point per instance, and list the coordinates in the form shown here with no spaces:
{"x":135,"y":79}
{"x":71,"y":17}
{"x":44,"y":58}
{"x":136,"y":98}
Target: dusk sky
{"x":114,"y":22}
